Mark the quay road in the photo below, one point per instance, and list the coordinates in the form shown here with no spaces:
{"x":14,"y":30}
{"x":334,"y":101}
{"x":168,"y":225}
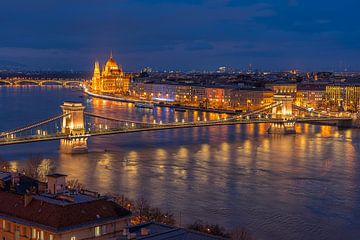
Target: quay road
{"x":156,"y":127}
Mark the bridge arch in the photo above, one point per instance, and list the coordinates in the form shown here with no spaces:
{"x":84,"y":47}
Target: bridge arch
{"x":5,"y":82}
{"x":50,"y":82}
{"x":25,"y":81}
{"x":71,"y":83}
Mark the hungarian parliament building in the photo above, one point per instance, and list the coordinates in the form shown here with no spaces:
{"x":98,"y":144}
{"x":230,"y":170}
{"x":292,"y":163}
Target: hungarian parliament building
{"x":110,"y":79}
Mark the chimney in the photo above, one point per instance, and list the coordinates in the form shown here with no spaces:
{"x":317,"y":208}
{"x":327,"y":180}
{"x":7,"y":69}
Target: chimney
{"x":15,"y":178}
{"x":144,"y":231}
{"x":56,"y":183}
{"x":27,"y":199}
{"x":131,"y":236}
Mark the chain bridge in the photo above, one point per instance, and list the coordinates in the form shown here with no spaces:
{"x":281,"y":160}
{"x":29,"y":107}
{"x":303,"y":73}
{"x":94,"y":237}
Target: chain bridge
{"x":74,"y":125}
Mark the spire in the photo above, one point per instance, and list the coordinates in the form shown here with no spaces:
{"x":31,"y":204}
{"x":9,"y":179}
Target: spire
{"x":97,"y":69}
{"x":110,"y":54}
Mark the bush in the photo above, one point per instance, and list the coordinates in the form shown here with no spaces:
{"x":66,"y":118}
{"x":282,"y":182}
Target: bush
{"x":143,"y":211}
{"x":213,"y":229}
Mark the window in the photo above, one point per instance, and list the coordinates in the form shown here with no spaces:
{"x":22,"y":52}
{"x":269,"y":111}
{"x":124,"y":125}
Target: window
{"x":33,"y":235}
{"x":103,"y":229}
{"x":51,"y":237}
{"x":3,"y":224}
{"x":42,"y":235}
{"x":73,"y":238}
{"x":97,"y":231}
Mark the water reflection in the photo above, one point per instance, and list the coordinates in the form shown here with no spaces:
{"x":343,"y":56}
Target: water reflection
{"x":302,"y":186}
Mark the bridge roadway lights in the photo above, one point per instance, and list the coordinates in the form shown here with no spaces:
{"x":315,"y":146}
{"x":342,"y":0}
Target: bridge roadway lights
{"x":285,"y":127}
{"x":73,"y":124}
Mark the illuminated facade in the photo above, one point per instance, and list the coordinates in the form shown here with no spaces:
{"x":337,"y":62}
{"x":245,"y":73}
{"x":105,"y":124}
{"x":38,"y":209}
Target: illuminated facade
{"x":73,"y":125}
{"x":284,"y":88}
{"x":343,"y":97}
{"x":201,"y":96}
{"x":111,"y":79}
{"x":313,"y":96}
{"x":157,"y":92}
{"x":215,"y":97}
{"x":241,"y":99}
{"x":284,"y":112}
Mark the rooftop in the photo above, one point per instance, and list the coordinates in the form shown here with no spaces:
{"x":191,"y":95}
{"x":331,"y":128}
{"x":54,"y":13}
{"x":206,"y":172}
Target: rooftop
{"x":158,"y":231}
{"x":49,"y":214}
{"x":56,"y":175}
{"x":5,"y":176}
{"x":18,"y":182}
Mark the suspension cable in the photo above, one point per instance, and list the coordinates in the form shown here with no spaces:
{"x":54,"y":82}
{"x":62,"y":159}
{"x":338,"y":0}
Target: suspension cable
{"x":21,"y":129}
{"x":308,"y":111}
{"x":116,"y":119}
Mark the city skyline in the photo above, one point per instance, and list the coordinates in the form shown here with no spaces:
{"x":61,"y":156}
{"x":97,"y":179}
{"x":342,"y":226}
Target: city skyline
{"x":181,"y":35}
{"x":179,"y":119}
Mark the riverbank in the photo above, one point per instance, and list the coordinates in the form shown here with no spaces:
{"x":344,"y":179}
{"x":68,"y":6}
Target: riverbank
{"x":192,"y":108}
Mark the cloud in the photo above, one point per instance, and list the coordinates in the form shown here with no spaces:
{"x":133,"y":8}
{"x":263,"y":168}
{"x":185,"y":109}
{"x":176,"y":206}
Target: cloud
{"x":190,"y":31}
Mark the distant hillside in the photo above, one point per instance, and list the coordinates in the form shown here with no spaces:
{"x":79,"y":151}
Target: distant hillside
{"x":9,"y":65}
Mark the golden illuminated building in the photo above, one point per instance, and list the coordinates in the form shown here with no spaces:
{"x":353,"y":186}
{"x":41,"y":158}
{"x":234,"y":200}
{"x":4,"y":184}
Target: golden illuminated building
{"x":284,"y":88}
{"x":311,"y":96}
{"x":244,"y":99}
{"x":343,"y":97}
{"x":111,"y":79}
{"x":202,"y":96}
{"x":73,"y":125}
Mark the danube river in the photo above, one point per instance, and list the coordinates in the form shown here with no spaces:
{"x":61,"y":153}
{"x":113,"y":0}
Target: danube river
{"x":303,"y":186}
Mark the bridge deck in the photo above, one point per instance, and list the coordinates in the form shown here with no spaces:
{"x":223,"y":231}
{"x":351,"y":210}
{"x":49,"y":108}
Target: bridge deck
{"x":151,"y":127}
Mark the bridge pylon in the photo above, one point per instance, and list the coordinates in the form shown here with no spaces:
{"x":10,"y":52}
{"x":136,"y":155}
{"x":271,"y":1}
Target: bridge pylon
{"x":73,"y":125}
{"x":284,"y":112}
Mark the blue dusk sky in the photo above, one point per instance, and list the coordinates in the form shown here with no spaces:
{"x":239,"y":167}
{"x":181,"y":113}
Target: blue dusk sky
{"x":182,"y":34}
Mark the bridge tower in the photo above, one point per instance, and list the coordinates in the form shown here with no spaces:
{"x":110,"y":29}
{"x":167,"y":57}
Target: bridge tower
{"x":73,"y":125}
{"x":283,"y":112}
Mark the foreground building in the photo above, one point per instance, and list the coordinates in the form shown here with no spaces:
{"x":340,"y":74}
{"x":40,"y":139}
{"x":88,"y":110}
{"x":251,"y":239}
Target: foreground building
{"x":58,"y":213}
{"x":157,"y":231}
{"x":30,"y":209}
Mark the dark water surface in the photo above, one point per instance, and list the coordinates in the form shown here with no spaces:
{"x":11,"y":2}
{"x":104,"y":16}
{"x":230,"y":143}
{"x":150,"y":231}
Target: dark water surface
{"x":303,"y":186}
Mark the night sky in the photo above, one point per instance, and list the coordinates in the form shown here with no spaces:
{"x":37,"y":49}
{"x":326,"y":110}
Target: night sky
{"x":183,"y":35}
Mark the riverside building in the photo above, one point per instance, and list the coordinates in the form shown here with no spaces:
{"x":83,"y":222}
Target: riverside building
{"x":343,"y":97}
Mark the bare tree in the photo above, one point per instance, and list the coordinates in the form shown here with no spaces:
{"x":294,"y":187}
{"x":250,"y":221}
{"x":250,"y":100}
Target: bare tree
{"x":142,"y":209}
{"x":241,"y":233}
{"x":75,"y":184}
{"x":213,"y":229}
{"x":122,"y":201}
{"x":38,"y":167}
{"x":4,"y":165}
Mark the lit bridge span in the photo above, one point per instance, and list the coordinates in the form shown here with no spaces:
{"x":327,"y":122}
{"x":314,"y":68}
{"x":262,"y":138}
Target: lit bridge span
{"x":41,"y":82}
{"x":74,"y":126}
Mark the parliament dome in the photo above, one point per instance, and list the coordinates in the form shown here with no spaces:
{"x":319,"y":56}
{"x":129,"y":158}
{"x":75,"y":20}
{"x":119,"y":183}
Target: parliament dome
{"x":111,"y":64}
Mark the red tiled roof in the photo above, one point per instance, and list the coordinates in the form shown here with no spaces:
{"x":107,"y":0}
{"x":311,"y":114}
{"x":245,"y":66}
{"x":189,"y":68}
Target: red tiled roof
{"x":60,"y":217}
